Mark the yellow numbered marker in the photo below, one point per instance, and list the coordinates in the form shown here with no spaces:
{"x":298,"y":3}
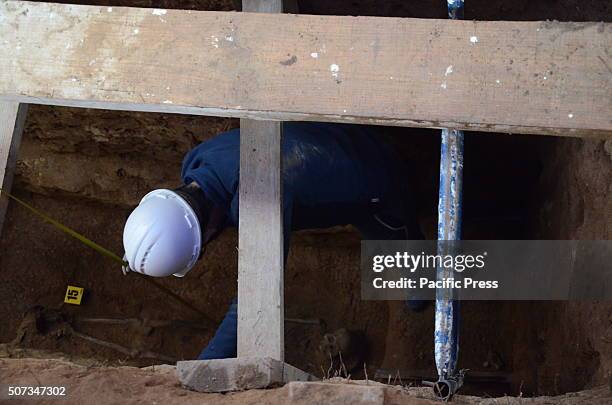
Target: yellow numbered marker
{"x":73,"y":295}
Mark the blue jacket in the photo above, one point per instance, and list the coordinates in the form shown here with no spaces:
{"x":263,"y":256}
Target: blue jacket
{"x":333,"y":174}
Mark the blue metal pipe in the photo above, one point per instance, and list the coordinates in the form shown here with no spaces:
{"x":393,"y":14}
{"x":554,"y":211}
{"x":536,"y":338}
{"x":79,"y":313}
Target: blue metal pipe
{"x":446,"y":335}
{"x":455,"y":9}
{"x":449,"y":228}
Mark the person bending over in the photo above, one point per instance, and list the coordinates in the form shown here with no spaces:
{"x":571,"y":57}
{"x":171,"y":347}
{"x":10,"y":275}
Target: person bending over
{"x":333,"y":174}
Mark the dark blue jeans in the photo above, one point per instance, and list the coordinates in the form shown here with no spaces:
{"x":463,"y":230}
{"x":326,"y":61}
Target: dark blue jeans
{"x":223,"y":344}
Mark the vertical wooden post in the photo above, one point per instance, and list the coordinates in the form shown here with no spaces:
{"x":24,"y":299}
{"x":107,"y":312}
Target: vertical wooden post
{"x":262,"y":6}
{"x":12,"y":120}
{"x":260,"y":240}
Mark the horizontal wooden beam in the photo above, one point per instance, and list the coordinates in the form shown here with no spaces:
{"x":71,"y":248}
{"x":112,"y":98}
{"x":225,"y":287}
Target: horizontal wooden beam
{"x":524,"y":77}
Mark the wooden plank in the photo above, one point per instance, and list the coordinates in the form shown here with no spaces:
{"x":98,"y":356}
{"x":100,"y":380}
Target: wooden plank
{"x":261,"y":325}
{"x":260,"y":242}
{"x":525,"y":77}
{"x":12,"y":121}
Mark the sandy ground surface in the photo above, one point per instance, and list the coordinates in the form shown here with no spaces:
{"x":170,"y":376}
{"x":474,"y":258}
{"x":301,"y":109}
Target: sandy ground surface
{"x":158,"y":384}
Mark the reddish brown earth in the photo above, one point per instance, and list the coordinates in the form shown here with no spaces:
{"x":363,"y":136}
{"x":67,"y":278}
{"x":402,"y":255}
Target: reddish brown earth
{"x":88,"y":167}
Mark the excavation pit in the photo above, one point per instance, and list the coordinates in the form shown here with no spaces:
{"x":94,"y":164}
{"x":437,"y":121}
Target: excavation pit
{"x":88,"y":168}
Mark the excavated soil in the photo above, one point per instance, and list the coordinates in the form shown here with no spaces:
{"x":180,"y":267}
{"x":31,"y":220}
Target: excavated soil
{"x":127,"y":385}
{"x":87,"y":168}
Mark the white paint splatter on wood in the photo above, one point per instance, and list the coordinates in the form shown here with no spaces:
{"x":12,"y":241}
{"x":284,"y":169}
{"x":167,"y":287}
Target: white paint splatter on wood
{"x":335,"y":70}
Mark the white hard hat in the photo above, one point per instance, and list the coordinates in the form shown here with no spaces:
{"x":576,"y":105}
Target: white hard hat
{"x":162,"y":236}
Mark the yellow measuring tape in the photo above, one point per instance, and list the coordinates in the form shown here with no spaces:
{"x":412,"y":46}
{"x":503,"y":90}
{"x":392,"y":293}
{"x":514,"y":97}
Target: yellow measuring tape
{"x":102,"y":250}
